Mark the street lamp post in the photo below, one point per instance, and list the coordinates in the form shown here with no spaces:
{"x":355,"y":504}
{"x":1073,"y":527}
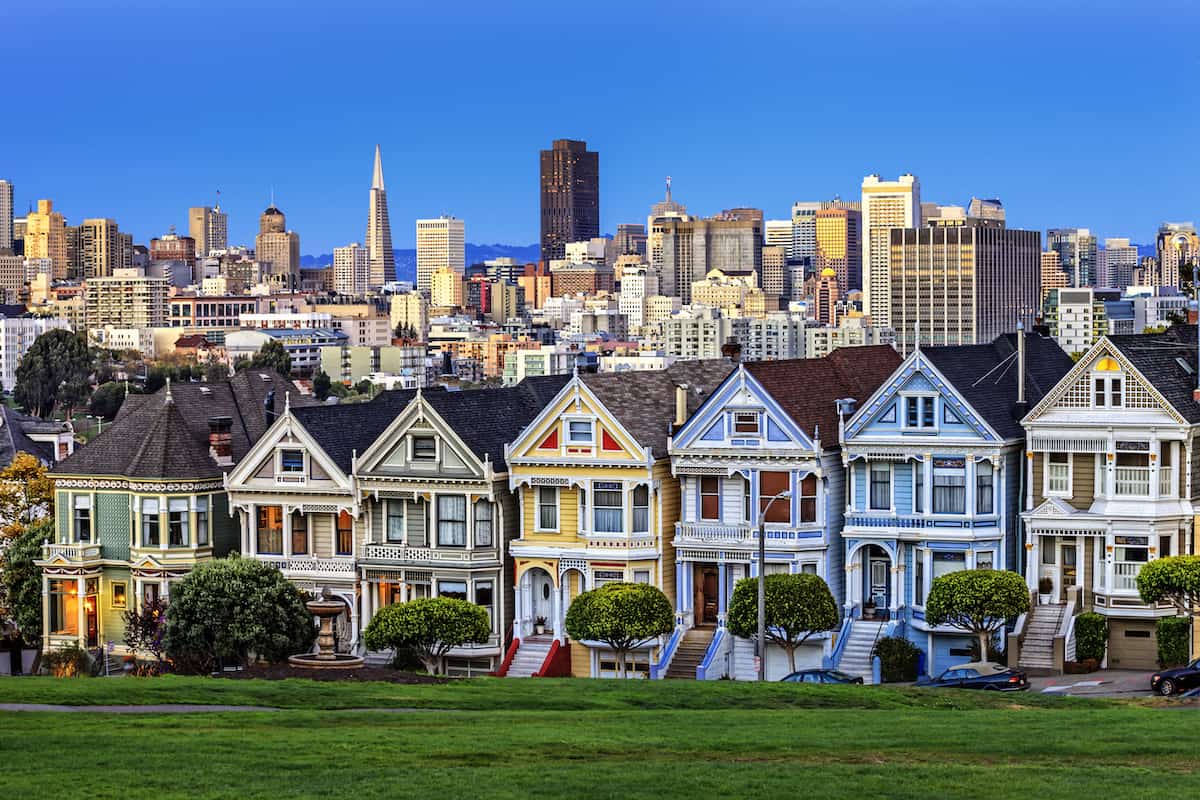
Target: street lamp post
{"x":762,"y":582}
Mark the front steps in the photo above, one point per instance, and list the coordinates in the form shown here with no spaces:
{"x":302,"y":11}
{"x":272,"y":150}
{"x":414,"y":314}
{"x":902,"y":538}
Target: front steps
{"x":856,"y":655}
{"x":1037,"y":646}
{"x":530,"y":656}
{"x":690,"y":653}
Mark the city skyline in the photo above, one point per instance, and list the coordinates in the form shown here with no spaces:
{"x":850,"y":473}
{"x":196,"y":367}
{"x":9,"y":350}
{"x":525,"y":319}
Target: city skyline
{"x":1051,"y":169}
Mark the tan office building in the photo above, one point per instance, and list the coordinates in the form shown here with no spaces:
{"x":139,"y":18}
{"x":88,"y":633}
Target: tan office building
{"x":441,"y":244}
{"x":46,"y":237}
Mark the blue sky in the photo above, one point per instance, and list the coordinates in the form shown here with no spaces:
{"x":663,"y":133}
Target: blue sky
{"x":1074,"y":114}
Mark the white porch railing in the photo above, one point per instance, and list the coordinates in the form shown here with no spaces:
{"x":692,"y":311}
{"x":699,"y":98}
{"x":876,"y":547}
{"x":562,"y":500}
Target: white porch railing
{"x":1166,"y":486}
{"x":715,"y":533}
{"x":400,"y":552}
{"x":302,"y":565}
{"x":78,"y":551}
{"x":1132,"y":481}
{"x":1125,"y":576}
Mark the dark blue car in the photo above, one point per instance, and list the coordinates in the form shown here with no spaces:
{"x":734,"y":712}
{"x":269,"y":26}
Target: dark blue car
{"x":1178,"y":679}
{"x":979,"y":675}
{"x":821,"y":676}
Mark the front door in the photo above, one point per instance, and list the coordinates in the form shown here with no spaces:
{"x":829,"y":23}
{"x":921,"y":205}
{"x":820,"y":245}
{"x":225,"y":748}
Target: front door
{"x":878,"y":587}
{"x":92,"y":621}
{"x":542,"y":597}
{"x":1068,"y":576}
{"x":709,"y":615}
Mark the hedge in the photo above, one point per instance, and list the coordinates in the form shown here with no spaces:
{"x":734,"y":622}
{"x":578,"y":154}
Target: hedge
{"x":898,"y":659}
{"x":1091,"y":636}
{"x":1172,"y":634}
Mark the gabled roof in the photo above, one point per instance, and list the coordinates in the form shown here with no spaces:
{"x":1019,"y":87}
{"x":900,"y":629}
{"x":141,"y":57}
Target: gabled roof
{"x":985,"y":376}
{"x":157,"y":437}
{"x":485,"y":419}
{"x":644,"y":402}
{"x":1158,"y":357}
{"x":807,"y":388}
{"x":15,"y":428}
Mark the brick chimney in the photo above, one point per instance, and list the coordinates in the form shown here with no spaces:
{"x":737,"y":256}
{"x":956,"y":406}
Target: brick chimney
{"x":732,"y":350}
{"x":220,"y":440}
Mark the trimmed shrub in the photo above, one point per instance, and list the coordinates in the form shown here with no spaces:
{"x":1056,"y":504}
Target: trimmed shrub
{"x":1172,"y":634}
{"x":797,"y":606}
{"x":898,"y":659}
{"x":1091,"y":636}
{"x":71,"y":661}
{"x":428,"y":628}
{"x":622,"y":615}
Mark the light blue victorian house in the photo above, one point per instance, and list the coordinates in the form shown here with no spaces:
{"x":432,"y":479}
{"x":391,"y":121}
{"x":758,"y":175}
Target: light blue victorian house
{"x":769,"y":431}
{"x":935,"y":472}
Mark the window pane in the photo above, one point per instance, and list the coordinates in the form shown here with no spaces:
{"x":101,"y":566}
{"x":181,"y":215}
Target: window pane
{"x":608,"y":513}
{"x":983,"y":489}
{"x":547,"y":508}
{"x":579,"y":430}
{"x":454,"y":589}
{"x":291,"y":460}
{"x":710,"y":498}
{"x":299,"y":534}
{"x":345,"y":533}
{"x":881,"y":487}
{"x":483,"y":523}
{"x":452,"y":520}
{"x":949,"y":492}
{"x":641,"y":509}
{"x":424,"y":448}
{"x":772,"y":484}
{"x":270,"y":530}
{"x":395,"y":521}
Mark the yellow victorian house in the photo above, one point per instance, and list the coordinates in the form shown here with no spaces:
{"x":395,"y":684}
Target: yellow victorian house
{"x":598,"y":503}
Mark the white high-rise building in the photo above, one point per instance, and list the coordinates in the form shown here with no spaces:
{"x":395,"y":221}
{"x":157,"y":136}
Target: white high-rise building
{"x":885,"y":205}
{"x":379,"y":231}
{"x":6,"y":215}
{"x":778,"y":233}
{"x":209,"y":227}
{"x":1117,"y":260}
{"x":17,"y":335}
{"x":441,"y":244}
{"x":351,"y":270}
{"x":636,"y":286}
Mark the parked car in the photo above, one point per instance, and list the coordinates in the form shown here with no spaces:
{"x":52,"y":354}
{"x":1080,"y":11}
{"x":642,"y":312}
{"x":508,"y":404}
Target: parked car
{"x":821,"y":676}
{"x":979,"y":675}
{"x":1178,"y":679}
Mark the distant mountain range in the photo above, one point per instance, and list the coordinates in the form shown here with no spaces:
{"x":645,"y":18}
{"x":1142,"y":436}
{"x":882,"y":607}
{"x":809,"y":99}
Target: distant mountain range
{"x":406,"y":260}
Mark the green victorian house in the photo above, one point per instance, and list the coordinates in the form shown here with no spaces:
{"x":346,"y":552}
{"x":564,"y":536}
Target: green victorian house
{"x":145,"y":501}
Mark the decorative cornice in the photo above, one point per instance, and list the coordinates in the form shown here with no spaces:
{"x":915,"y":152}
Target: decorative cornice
{"x":134,"y":485}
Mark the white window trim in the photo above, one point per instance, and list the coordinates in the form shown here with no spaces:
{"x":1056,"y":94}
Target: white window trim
{"x":568,"y":441}
{"x":891,"y":487}
{"x":758,"y":419}
{"x":412,"y":449}
{"x":904,"y":412}
{"x":537,"y":509}
{"x":1070,"y":477}
{"x":279,"y":470}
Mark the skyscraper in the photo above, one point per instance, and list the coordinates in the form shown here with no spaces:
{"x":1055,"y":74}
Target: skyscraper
{"x":46,"y":237}
{"x":6,"y":215}
{"x":209,"y":228}
{"x":570,"y":187}
{"x":962,"y":284}
{"x":885,"y":205}
{"x":1177,"y":244}
{"x":101,"y":248}
{"x":1117,"y":261}
{"x":838,"y":247}
{"x":278,"y":249}
{"x":441,"y":244}
{"x":1076,"y":248}
{"x":380,"y":255}
{"x":825,"y":297}
{"x":351,"y":270}
{"x":685,"y":249}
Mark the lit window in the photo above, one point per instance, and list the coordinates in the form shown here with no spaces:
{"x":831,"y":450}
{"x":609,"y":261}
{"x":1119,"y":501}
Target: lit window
{"x":344,"y":539}
{"x":291,"y":460}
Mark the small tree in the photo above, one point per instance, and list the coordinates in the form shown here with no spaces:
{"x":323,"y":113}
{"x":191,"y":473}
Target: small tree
{"x":106,"y":400}
{"x":54,"y":371}
{"x":1174,"y":579}
{"x":26,"y":494}
{"x":145,"y":631}
{"x":322,"y":385}
{"x":430,"y":627}
{"x":236,"y":609}
{"x":274,"y":356}
{"x":978,"y":601}
{"x":22,"y":579}
{"x":622,"y":615}
{"x":797,"y":607}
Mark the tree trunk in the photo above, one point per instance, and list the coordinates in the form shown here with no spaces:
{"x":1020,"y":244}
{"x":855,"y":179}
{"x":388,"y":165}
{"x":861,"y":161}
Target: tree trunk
{"x":984,"y":637}
{"x":621,"y":663}
{"x":791,"y":651}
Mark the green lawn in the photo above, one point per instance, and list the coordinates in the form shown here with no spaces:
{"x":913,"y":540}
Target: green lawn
{"x":576,"y":738}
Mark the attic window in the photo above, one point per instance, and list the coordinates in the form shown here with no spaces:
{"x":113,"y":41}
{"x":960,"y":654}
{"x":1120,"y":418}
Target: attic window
{"x":1108,"y":365}
{"x":291,"y":460}
{"x":424,"y":448}
{"x":746,"y":422}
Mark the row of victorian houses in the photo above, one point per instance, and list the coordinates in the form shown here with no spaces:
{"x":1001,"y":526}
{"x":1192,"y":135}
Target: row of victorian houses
{"x":874,"y":472}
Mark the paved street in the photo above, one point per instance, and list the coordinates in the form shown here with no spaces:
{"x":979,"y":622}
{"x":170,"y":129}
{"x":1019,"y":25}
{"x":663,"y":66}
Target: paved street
{"x":1104,"y":683}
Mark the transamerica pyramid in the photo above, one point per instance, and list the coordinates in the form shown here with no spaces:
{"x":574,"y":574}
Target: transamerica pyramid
{"x":379,"y":231}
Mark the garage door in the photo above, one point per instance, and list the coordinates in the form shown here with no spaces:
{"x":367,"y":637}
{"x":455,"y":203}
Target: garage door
{"x":1131,"y":645}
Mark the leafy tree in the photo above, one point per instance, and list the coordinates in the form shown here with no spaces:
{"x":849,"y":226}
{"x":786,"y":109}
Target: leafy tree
{"x":1171,"y":635}
{"x":429,"y":627}
{"x":236,"y":609}
{"x":274,"y":356}
{"x":404,"y":331}
{"x":622,"y":615}
{"x":978,"y":601}
{"x":22,"y":579}
{"x":26,"y":494}
{"x":54,"y":372}
{"x":363,"y":387}
{"x":107,"y":400}
{"x":145,"y":631}
{"x":1174,"y":579}
{"x":797,"y":607}
{"x":215,"y":372}
{"x":322,"y":385}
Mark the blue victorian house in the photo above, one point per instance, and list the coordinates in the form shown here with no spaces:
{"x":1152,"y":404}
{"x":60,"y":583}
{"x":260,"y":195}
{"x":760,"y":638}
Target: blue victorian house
{"x":765,"y":442}
{"x":934,"y":464}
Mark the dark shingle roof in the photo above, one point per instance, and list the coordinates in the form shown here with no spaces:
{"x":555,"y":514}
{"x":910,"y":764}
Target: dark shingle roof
{"x":808,"y":388}
{"x":986,"y":376}
{"x":154,"y":437}
{"x":1157,"y":356}
{"x":14,"y":436}
{"x":644,"y":402}
{"x":485,"y":419}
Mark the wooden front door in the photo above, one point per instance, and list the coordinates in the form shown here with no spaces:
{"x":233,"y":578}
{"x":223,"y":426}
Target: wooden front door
{"x":709,"y":614}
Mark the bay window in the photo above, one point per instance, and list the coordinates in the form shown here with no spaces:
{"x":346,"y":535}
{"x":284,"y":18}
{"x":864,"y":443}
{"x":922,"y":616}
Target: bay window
{"x":918,"y":487}
{"x":150,"y":522}
{"x":485,"y":596}
{"x":808,"y":498}
{"x":1058,"y":474}
{"x":299,"y":534}
{"x":919,"y":577}
{"x":452,"y":521}
{"x":1129,"y":554}
{"x":177,"y":522}
{"x":770,"y":485}
{"x":483,"y":523}
{"x":880,"y":489}
{"x":946,"y":562}
{"x":607,"y":508}
{"x":984,"y":559}
{"x":710,"y":498}
{"x":984,"y":488}
{"x":547,"y":508}
{"x":394,"y":530}
{"x":949,"y":486}
{"x":344,"y":535}
{"x":641,"y":509}
{"x":269,"y":530}
{"x":64,"y":607}
{"x":453,"y":589}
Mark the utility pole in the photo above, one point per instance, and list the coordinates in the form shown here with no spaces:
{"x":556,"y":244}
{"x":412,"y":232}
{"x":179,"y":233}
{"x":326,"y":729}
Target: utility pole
{"x":762,"y":582}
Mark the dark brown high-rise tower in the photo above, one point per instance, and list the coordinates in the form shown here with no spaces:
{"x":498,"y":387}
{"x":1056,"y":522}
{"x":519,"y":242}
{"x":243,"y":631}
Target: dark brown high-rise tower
{"x":570,"y":196}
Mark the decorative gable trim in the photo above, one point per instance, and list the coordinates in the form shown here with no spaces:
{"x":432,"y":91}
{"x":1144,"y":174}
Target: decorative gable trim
{"x":573,"y":399}
{"x":287,"y":426}
{"x":418,"y":412}
{"x":708,"y":425}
